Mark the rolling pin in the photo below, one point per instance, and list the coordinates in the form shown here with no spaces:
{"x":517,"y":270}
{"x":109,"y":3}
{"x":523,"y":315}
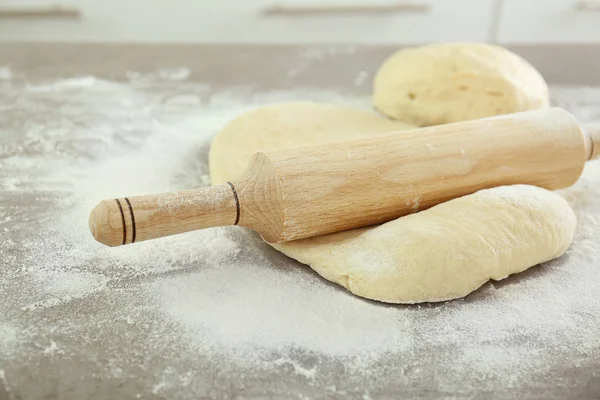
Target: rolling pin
{"x":310,"y":191}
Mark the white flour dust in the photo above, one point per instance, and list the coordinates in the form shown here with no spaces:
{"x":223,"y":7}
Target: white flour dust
{"x":220,"y":297}
{"x":311,"y":55}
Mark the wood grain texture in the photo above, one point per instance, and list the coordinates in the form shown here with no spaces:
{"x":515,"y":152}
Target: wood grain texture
{"x":261,"y":199}
{"x":340,"y":186}
{"x":116,"y":222}
{"x":310,"y":191}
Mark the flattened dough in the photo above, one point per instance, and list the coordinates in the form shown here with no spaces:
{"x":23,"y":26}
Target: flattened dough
{"x":450,"y":82}
{"x":438,"y":254}
{"x":287,"y":126}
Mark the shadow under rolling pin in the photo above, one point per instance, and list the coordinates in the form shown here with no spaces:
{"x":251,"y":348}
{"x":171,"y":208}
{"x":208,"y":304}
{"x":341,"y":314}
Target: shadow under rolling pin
{"x":312,"y":191}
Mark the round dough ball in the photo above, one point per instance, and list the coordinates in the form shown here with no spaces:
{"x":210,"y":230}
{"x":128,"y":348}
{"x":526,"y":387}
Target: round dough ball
{"x":443,"y":83}
{"x":447,"y":251}
{"x":287,"y":126}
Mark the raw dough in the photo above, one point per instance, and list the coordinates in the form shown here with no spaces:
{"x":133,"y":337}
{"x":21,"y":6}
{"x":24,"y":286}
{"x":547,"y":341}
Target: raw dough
{"x":438,"y":254}
{"x":447,"y":251}
{"x":451,"y":82}
{"x":287,"y":126}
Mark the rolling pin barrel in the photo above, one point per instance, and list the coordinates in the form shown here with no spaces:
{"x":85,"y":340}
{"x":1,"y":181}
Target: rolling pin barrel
{"x":373,"y":180}
{"x":312,"y":191}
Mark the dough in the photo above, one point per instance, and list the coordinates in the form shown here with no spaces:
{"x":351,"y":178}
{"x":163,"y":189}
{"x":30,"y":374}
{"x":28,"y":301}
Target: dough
{"x":287,"y":126}
{"x":447,"y":251}
{"x":451,"y":82}
{"x":438,"y":254}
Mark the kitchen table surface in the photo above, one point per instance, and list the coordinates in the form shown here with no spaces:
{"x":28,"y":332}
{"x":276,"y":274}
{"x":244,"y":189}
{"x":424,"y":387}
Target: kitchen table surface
{"x":60,"y":343}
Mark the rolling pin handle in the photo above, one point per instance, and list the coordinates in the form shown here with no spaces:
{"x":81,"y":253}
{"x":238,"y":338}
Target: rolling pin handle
{"x":127,"y":220}
{"x":593,"y":134}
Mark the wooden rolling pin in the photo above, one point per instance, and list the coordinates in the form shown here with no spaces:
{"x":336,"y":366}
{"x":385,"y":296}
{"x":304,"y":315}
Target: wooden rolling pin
{"x":311,"y":191}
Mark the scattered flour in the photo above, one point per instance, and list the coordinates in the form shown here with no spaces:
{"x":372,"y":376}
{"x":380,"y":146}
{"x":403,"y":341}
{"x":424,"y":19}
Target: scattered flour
{"x":52,"y":349}
{"x":165,"y":74}
{"x":308,"y":373}
{"x":66,"y":287}
{"x":5,"y":73}
{"x":175,"y":310}
{"x":240,"y":317}
{"x":8,"y":336}
{"x":361,"y":78}
{"x":312,"y":54}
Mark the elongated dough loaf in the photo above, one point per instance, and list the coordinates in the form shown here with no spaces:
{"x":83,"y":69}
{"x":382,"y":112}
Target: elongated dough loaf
{"x":447,"y":251}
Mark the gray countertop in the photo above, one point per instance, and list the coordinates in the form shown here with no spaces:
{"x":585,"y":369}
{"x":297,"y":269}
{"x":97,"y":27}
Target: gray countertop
{"x":69,"y":344}
{"x":265,"y":66}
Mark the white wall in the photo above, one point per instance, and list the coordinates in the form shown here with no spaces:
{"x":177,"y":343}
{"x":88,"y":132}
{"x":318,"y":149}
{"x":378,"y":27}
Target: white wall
{"x":244,"y":21}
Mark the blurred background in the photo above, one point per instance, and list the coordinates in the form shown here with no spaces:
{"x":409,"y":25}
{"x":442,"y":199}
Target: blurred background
{"x":302,"y":21}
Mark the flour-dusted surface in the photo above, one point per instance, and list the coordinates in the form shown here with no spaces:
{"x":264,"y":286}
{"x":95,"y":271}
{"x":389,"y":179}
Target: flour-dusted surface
{"x":217,"y":313}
